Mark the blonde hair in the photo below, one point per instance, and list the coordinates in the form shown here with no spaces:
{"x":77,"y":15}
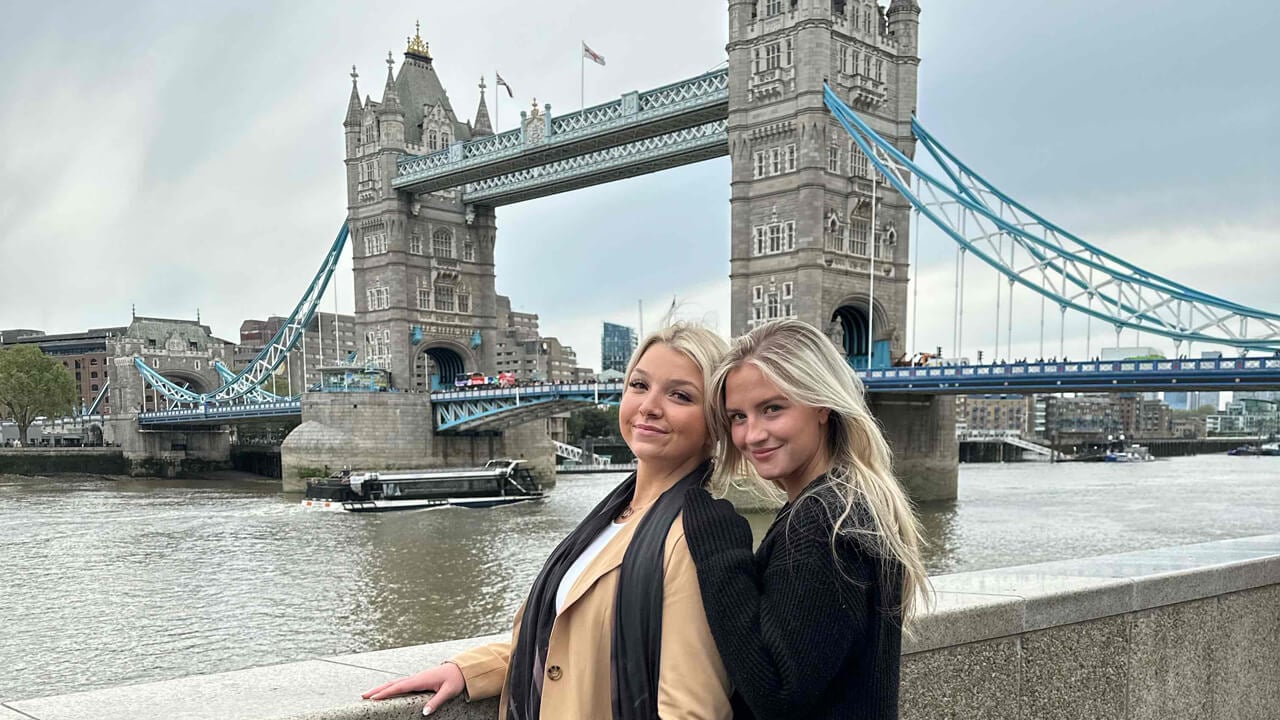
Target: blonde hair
{"x":806,"y":367}
{"x":702,"y":346}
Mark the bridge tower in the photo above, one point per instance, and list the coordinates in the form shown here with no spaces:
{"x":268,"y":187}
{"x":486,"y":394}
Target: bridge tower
{"x":425,"y":302}
{"x":803,"y":195}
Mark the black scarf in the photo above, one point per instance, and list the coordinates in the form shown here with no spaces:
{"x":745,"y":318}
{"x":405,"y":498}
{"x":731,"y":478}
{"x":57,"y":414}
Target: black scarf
{"x":637,"y":624}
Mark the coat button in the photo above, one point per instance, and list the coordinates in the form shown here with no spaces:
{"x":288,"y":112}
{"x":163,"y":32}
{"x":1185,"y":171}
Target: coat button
{"x":554,"y":672}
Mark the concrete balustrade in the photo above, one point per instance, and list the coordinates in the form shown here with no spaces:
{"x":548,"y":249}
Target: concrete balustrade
{"x":1171,"y":633}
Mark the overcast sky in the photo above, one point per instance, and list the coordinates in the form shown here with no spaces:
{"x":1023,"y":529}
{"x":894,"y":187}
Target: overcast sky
{"x":180,"y":156}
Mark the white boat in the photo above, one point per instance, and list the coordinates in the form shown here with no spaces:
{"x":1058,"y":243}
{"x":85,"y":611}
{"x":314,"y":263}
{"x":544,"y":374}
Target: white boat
{"x":499,"y":482}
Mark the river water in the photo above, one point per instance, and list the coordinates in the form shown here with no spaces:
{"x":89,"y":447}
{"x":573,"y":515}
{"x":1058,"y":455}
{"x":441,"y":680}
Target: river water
{"x":109,"y":582}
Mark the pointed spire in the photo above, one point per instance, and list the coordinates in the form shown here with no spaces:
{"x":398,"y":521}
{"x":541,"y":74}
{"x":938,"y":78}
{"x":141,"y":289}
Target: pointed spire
{"x":390,"y":98}
{"x":354,"y":108}
{"x":482,"y":126}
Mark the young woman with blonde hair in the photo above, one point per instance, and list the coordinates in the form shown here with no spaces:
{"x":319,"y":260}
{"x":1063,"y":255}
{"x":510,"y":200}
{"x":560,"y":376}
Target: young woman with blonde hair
{"x":613,"y":626}
{"x":811,"y":625}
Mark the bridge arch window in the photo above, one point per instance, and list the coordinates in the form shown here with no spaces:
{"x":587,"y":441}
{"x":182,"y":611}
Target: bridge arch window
{"x":879,"y":70}
{"x":442,"y":243}
{"x":775,"y":161}
{"x":787,"y":290}
{"x":431,"y":140}
{"x":772,"y":7}
{"x":444,"y":298}
{"x":424,"y":298}
{"x":772,"y":307}
{"x":757,"y":293}
{"x":859,"y":166}
{"x":375,"y":244}
{"x":444,"y":138}
{"x":787,"y":58}
{"x":468,"y":251}
{"x":772,"y":56}
{"x":379,"y":298}
{"x":833,"y":159}
{"x":464,"y":303}
{"x":761,"y":165}
{"x":759,"y":239}
{"x":860,"y":234}
{"x":415,"y":244}
{"x":791,"y":157}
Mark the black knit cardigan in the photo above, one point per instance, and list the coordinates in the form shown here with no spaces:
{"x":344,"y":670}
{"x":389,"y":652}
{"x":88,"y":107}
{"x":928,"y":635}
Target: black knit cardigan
{"x":804,"y":632}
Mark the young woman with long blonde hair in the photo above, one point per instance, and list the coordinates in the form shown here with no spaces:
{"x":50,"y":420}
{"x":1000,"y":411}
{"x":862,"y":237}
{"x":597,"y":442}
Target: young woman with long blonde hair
{"x":811,"y":624}
{"x":613,"y":626}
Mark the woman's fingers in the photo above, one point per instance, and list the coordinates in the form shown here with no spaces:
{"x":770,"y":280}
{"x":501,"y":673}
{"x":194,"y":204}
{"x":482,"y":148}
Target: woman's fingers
{"x":449,"y":689}
{"x":414,"y":683}
{"x":370,"y":693}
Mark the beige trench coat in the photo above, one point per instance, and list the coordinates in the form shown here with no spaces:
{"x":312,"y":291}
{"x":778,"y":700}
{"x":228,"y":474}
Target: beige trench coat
{"x":692,"y":682}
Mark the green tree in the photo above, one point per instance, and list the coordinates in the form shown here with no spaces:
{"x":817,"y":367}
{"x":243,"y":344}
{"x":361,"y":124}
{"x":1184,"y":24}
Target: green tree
{"x":33,"y":384}
{"x":593,"y":422}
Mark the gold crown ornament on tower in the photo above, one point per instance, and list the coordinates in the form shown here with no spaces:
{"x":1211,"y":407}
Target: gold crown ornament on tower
{"x":416,"y":45}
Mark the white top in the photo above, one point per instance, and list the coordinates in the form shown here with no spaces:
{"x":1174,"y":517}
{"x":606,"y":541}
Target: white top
{"x":576,"y":569}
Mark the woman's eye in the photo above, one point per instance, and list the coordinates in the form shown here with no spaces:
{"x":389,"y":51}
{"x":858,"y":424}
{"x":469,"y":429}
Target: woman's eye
{"x":682,"y":397}
{"x":771,"y":409}
{"x":736,"y":417}
{"x":636,"y":384}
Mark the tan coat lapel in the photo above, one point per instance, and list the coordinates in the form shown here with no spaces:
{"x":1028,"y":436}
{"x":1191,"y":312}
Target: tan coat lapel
{"x":609,"y":558}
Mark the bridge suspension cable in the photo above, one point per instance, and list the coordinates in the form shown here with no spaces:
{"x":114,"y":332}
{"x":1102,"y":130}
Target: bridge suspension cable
{"x":246,"y":385}
{"x":1049,"y":260}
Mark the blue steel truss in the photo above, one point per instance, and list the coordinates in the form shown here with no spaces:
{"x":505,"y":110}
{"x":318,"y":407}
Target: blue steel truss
{"x":1032,"y":252}
{"x":497,"y":409}
{"x":682,"y":147}
{"x":633,"y":117}
{"x":246,"y":385}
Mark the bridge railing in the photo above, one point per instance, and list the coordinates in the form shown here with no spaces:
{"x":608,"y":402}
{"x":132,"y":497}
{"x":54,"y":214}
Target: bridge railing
{"x":1231,"y":365}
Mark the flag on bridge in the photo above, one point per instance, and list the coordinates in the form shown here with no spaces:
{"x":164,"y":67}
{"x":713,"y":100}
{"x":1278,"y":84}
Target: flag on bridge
{"x":504,"y":84}
{"x":592,"y":55}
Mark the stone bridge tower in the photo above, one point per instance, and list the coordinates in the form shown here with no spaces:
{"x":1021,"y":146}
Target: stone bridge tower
{"x":803,"y":235}
{"x":424,"y":275}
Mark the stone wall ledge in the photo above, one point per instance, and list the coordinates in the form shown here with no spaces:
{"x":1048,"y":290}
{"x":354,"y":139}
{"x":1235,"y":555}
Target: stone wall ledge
{"x":971,"y":608}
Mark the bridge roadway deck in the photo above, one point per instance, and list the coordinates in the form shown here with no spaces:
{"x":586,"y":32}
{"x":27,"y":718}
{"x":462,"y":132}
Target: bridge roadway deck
{"x":498,"y":408}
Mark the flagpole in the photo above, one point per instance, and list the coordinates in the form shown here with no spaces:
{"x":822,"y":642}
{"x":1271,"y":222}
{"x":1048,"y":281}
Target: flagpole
{"x":497,"y":119}
{"x":582,"y":77}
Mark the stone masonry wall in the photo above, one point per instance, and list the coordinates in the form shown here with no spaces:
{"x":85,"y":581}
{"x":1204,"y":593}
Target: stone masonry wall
{"x":1176,"y":633}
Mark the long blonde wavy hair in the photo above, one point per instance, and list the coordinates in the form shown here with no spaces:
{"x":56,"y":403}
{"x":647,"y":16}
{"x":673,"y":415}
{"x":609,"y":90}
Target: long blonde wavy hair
{"x":806,"y":367}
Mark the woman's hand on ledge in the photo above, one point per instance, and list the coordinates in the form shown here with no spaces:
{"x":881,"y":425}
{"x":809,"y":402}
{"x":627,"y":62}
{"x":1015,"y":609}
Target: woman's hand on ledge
{"x":445,"y":681}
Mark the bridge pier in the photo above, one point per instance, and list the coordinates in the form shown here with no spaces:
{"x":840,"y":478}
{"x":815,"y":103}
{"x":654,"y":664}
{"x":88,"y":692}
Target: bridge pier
{"x":394,"y":431}
{"x":169,"y":453}
{"x":921,"y":429}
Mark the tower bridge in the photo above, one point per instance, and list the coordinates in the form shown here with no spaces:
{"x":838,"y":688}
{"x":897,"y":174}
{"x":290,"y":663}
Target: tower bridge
{"x":816,"y":110}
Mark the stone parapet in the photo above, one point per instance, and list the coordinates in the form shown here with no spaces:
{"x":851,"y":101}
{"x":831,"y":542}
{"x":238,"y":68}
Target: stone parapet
{"x":1170,"y":633}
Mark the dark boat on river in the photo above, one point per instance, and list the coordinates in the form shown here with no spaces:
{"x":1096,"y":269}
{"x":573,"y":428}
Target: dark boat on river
{"x":499,"y":482}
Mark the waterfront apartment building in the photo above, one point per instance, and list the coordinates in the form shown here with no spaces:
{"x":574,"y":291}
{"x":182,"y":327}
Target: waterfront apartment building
{"x":328,"y":340}
{"x":85,"y":356}
{"x":617,"y":342}
{"x":521,"y":349}
{"x":988,"y":413}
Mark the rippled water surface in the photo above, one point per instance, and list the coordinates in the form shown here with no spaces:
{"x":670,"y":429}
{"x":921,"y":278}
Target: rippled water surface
{"x":109,"y":582}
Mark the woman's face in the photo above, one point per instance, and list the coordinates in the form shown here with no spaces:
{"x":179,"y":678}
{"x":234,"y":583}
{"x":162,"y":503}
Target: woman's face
{"x":661,"y":416}
{"x":782,"y":439}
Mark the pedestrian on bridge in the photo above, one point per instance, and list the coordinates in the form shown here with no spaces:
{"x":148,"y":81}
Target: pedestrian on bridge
{"x":614,"y":625}
{"x":810,"y":626}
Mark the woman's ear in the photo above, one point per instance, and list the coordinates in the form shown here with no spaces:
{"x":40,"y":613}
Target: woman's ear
{"x":823,"y":415}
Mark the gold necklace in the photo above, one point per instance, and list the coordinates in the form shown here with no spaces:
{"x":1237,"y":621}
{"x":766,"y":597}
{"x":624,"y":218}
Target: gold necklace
{"x":630,"y":510}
